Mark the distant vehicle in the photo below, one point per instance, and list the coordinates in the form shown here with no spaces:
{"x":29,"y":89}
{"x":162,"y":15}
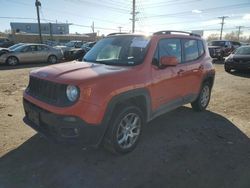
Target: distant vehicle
{"x":5,"y":43}
{"x":238,"y":60}
{"x":6,"y":50}
{"x":222,"y":48}
{"x":78,"y":53}
{"x":244,"y":44}
{"x":31,"y":53}
{"x":88,"y":45}
{"x":70,"y":45}
{"x":74,"y":54}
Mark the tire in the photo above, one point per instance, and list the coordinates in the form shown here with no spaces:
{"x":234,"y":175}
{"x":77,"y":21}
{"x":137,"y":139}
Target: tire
{"x":125,"y":129}
{"x":52,"y":59}
{"x":227,"y":69}
{"x":12,"y":61}
{"x":203,"y":99}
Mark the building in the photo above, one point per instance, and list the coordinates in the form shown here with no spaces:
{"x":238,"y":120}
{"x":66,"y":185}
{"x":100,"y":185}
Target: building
{"x":46,"y":28}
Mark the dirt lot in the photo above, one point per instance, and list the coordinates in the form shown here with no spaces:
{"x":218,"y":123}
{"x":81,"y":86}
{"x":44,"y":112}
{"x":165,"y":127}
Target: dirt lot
{"x":180,"y":149}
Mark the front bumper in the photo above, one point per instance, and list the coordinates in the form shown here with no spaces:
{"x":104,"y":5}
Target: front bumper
{"x":238,"y":65}
{"x":2,"y":59}
{"x":61,"y":128}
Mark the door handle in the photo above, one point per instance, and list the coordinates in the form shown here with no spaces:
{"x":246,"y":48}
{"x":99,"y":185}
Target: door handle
{"x":201,"y":67}
{"x":180,"y":72}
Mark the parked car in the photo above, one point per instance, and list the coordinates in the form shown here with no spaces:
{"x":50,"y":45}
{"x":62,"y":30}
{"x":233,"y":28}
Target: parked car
{"x":7,"y":50}
{"x":222,"y":48}
{"x":74,"y":54}
{"x":5,"y":43}
{"x":125,"y":81}
{"x":78,"y":53}
{"x":69,"y":45}
{"x":31,"y":53}
{"x":88,"y":45}
{"x":238,"y":60}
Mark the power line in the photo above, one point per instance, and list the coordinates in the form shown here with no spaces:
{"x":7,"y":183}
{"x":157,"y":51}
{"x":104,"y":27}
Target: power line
{"x":241,"y":5}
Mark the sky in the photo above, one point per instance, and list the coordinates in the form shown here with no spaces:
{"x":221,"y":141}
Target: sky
{"x":152,"y":15}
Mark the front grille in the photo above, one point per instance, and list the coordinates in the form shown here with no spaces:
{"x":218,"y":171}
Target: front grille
{"x":47,"y":91}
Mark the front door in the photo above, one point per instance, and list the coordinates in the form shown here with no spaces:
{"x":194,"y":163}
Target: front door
{"x":167,"y":85}
{"x":29,"y":54}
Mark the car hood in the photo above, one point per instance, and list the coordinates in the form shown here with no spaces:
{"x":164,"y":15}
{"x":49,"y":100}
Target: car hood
{"x":241,"y":57}
{"x":5,"y":49}
{"x":75,"y":72}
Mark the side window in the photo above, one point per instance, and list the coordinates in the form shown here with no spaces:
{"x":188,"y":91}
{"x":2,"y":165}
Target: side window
{"x":42,"y":48}
{"x":170,"y":47}
{"x":201,"y":48}
{"x":30,"y":49}
{"x":191,"y":52}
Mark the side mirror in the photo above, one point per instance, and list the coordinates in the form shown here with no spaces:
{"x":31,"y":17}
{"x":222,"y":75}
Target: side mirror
{"x":166,"y":61}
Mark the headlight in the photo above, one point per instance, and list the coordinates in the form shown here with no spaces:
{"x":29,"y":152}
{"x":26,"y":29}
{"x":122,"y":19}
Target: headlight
{"x":72,"y":93}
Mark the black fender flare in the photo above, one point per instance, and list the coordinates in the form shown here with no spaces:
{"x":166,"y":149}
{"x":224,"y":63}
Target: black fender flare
{"x":120,"y":98}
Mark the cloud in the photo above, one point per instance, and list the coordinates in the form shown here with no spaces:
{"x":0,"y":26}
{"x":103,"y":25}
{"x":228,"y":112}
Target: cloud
{"x":196,"y":11}
{"x":246,"y":17}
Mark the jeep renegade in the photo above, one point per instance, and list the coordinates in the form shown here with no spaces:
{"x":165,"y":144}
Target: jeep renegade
{"x":124,"y":81}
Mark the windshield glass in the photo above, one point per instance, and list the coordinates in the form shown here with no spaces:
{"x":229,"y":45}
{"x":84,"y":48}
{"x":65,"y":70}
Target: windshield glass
{"x":217,"y":43}
{"x":70,"y":44}
{"x":15,"y":46}
{"x":19,"y":48}
{"x":243,"y":51}
{"x":119,"y":50}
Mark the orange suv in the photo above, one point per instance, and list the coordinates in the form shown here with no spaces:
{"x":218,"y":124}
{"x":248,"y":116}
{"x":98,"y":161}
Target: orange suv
{"x":124,"y":81}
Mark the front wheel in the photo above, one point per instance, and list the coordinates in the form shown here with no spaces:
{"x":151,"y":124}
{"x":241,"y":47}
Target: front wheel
{"x":227,"y":69}
{"x":52,"y":59}
{"x":203,"y":99}
{"x":12,"y":61}
{"x":125,"y":130}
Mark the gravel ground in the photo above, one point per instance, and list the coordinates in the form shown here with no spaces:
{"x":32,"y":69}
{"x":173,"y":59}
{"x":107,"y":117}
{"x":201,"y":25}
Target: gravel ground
{"x":180,"y":149}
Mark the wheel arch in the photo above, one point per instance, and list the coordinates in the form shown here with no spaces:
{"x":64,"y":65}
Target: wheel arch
{"x":138,"y":97}
{"x":10,"y":57}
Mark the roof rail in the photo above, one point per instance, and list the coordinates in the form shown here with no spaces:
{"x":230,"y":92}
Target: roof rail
{"x":111,"y":34}
{"x":169,"y":32}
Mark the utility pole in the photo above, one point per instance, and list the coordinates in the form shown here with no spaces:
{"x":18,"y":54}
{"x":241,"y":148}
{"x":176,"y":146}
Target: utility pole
{"x":239,"y":28}
{"x":93,"y":27}
{"x":133,"y":17}
{"x":134,"y":13}
{"x":50,"y":31}
{"x":38,"y":4}
{"x":120,"y":29}
{"x":222,"y":24}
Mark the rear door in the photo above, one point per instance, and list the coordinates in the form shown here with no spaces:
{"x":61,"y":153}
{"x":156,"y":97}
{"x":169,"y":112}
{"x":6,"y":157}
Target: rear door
{"x":190,"y":70}
{"x":42,"y":53}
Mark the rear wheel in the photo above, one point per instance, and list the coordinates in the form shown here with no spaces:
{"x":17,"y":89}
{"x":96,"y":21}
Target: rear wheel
{"x":12,"y":61}
{"x":125,"y":130}
{"x":52,"y":59}
{"x":203,"y":99}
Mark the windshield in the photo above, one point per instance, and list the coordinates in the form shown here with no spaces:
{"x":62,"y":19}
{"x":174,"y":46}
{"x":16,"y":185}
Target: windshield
{"x":217,"y":43}
{"x":243,"y":51}
{"x":119,"y":50}
{"x":70,"y":44}
{"x":15,"y":46}
{"x":19,"y":48}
